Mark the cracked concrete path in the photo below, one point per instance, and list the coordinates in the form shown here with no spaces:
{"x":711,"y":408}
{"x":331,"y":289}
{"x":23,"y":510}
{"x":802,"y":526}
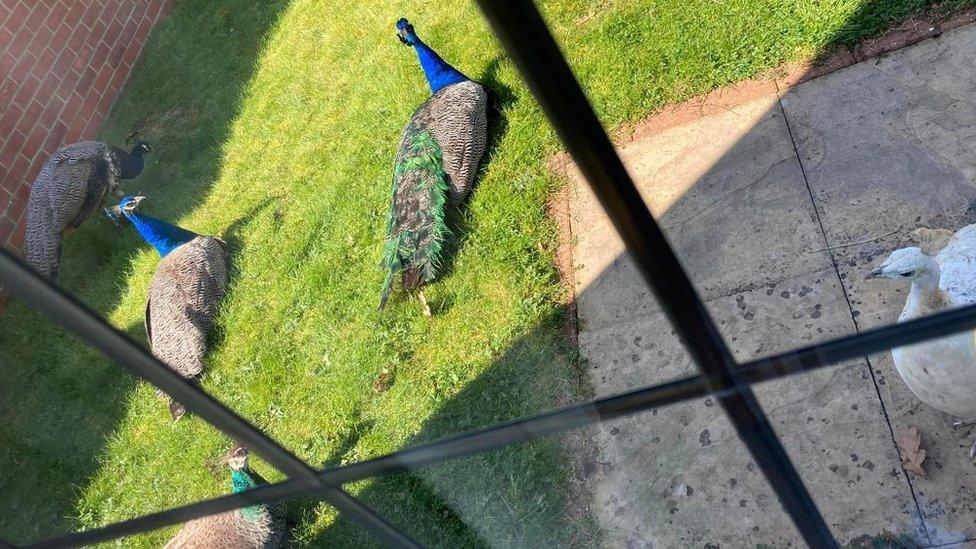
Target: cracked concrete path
{"x":772,"y":206}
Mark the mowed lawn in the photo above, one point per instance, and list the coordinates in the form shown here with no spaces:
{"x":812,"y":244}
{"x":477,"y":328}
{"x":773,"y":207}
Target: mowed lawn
{"x":275,"y":124}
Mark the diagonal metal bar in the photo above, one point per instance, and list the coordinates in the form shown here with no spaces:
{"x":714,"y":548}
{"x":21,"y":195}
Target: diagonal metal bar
{"x":520,"y":28}
{"x":74,"y":316}
{"x":801,"y":360}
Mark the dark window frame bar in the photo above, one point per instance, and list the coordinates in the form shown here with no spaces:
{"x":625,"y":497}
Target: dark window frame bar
{"x":520,"y":28}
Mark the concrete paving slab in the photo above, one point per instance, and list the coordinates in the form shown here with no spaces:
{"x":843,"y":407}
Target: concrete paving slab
{"x":888,"y":147}
{"x":680,"y":476}
{"x":731,"y":198}
{"x":885,"y":147}
{"x":891,"y":144}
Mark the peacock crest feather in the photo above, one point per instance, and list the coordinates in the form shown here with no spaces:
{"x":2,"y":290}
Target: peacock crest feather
{"x":417,"y":227}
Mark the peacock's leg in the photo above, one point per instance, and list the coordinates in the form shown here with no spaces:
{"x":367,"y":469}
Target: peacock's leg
{"x":972,"y":451}
{"x":177,"y":410}
{"x":423,"y":301}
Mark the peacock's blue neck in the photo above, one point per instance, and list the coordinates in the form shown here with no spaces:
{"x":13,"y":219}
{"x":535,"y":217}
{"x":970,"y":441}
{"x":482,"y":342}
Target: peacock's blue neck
{"x":130,"y":163}
{"x":439,"y":73}
{"x":243,"y":481}
{"x":163,"y":236}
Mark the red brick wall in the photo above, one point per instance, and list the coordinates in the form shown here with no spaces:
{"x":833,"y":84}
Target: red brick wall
{"x":62,"y":63}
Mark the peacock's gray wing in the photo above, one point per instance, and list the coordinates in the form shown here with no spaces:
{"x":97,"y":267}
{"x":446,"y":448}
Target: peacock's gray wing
{"x":457,"y":116}
{"x":75,"y":180}
{"x":70,"y":186}
{"x":184,"y":297}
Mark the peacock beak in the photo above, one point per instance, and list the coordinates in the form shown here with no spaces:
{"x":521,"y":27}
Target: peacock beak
{"x":877,"y":273}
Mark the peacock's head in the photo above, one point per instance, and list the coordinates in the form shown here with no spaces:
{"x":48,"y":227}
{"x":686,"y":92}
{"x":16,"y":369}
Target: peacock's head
{"x":237,"y":457}
{"x":141,"y":148}
{"x":130,"y":203}
{"x":127,"y":204}
{"x":908,"y":264}
{"x":405,"y":32}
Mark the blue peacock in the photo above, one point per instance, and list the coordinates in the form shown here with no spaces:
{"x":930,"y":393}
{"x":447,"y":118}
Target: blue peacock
{"x":71,"y":186}
{"x":252,"y":527}
{"x":435,"y":167}
{"x":185,"y":292}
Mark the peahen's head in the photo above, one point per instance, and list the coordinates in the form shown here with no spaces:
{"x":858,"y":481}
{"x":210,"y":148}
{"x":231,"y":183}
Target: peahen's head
{"x":405,"y":32}
{"x":237,"y":457}
{"x":244,"y":479}
{"x":907,"y":264}
{"x":141,"y":148}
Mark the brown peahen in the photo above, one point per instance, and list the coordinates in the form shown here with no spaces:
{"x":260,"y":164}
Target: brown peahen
{"x":71,"y":185}
{"x":435,"y":166}
{"x":184,"y":294}
{"x":253,"y":527}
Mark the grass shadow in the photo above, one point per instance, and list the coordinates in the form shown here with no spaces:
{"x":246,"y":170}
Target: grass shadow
{"x":516,"y":496}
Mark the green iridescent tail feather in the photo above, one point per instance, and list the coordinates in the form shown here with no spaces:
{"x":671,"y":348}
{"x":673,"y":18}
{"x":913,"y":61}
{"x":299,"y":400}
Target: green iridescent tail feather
{"x":416,"y":228}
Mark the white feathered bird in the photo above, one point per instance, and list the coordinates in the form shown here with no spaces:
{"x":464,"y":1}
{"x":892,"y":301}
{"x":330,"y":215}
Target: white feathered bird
{"x":942,"y":372}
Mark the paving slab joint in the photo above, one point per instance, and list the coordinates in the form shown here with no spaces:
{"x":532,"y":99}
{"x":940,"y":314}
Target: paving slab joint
{"x":850,"y":308}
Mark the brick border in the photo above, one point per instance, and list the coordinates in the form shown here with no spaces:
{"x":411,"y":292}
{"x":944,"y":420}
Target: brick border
{"x":62,"y":65}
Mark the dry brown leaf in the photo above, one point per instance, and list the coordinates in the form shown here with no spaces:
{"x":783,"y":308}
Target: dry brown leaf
{"x":909,"y":443}
{"x":383,"y":381}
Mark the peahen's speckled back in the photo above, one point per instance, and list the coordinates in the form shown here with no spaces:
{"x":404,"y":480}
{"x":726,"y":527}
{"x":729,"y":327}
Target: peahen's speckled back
{"x":253,"y":527}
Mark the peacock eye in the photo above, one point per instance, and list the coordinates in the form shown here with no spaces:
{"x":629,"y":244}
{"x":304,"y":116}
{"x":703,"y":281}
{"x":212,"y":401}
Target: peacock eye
{"x":907,"y":274}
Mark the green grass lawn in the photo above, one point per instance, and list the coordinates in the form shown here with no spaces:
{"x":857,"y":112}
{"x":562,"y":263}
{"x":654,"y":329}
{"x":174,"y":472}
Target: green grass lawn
{"x":275,"y":125}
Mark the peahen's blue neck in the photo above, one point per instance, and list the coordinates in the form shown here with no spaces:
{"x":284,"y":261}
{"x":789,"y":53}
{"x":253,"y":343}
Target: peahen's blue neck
{"x":160,"y":234}
{"x":439,"y":73}
{"x":243,"y":481}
